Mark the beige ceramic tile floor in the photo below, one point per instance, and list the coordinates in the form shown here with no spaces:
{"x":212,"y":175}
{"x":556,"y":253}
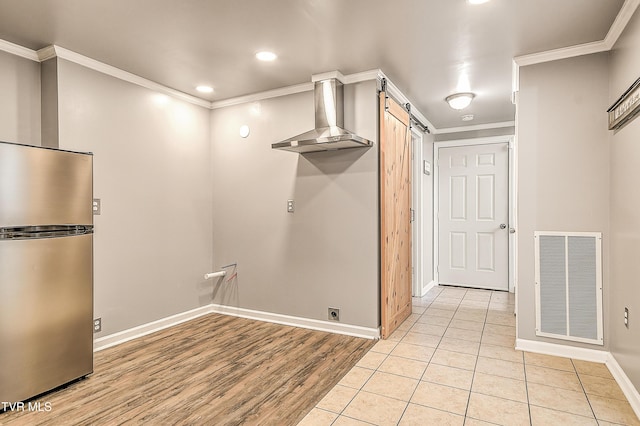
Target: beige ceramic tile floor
{"x":452,"y":362}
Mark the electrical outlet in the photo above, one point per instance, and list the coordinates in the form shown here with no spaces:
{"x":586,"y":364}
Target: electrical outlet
{"x":626,"y":317}
{"x":291,"y":206}
{"x":334,"y":314}
{"x":97,"y":325}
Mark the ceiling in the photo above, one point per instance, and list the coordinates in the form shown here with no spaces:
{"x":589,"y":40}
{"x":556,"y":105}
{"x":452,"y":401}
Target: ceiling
{"x":428,"y":48}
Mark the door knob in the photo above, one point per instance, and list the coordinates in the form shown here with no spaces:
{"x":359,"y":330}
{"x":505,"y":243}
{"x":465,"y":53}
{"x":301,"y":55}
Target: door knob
{"x":503,"y":226}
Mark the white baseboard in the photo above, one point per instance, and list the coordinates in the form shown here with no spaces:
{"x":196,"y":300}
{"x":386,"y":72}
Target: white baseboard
{"x":584,"y":354}
{"x":144,"y":329}
{"x":313,"y":324}
{"x":428,"y":287}
{"x":625,"y":384}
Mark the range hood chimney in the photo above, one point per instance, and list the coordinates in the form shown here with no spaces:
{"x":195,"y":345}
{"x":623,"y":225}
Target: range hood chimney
{"x":329,"y":133}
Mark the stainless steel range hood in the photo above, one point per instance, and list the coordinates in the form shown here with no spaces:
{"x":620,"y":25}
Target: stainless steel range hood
{"x":329,"y":133}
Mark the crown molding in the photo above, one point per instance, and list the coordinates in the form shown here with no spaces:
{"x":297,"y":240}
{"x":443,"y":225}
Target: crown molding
{"x":622,"y":19}
{"x":615,"y":31}
{"x":54,"y":51}
{"x":327,"y":76}
{"x":46,"y":53}
{"x":374,"y":74}
{"x":87,"y":62}
{"x":475,"y":127}
{"x":17,"y":50}
{"x":619,"y":24}
{"x":260,"y":96}
{"x":562,"y":53}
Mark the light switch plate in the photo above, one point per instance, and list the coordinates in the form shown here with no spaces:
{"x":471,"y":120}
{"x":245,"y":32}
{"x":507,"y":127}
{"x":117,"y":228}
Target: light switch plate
{"x":626,"y":317}
{"x":426,"y":167}
{"x":96,"y":206}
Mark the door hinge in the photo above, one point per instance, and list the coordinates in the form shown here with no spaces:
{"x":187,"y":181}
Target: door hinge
{"x":413,"y":215}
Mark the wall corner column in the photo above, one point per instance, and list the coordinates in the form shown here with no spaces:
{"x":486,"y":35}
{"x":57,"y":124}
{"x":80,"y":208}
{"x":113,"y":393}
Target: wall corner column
{"x":49,"y":103}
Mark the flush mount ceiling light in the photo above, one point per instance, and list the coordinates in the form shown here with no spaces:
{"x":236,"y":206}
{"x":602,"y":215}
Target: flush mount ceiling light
{"x":477,"y":1}
{"x":204,"y":89}
{"x":459,"y":100}
{"x":266,"y":56}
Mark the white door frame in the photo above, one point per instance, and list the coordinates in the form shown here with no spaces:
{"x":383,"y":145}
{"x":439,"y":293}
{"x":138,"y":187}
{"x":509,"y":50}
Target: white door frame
{"x":417,"y":206}
{"x":509,"y":139}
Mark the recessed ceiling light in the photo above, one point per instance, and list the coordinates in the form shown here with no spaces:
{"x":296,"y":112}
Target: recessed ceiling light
{"x":477,"y":1}
{"x":467,"y":117}
{"x":204,"y":89}
{"x":459,"y":100}
{"x":266,"y":56}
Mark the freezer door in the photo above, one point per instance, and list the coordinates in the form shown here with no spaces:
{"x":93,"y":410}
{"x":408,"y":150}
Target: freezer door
{"x":46,"y":310}
{"x":40,"y":186}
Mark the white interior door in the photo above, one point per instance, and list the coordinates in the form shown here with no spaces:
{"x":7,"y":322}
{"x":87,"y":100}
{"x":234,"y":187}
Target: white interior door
{"x":473,"y":227}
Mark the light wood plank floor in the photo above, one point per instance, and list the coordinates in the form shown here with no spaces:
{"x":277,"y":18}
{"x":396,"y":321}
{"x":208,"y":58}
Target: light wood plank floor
{"x":214,"y":370}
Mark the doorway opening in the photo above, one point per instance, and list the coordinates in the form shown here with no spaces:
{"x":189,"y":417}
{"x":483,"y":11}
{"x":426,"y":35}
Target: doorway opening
{"x":474,"y":220}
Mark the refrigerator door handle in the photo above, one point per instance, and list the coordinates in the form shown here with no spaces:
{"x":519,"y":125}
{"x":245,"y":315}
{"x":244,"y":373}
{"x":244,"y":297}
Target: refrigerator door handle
{"x":43,"y":231}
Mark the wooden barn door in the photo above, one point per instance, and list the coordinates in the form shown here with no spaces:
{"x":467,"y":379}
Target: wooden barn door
{"x":395,"y":214}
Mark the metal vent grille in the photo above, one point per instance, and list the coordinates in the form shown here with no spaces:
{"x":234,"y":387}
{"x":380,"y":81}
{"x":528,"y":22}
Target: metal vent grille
{"x":569,"y":286}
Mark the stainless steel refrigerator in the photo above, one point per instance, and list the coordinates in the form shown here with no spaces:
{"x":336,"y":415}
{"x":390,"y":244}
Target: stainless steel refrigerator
{"x":46,"y":269}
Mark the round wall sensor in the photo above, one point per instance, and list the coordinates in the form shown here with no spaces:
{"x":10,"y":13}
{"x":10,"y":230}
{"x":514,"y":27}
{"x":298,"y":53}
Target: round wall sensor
{"x":244,"y":131}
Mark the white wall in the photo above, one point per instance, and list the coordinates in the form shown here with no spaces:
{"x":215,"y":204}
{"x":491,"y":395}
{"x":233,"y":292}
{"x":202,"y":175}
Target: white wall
{"x":625,"y":209}
{"x":563,"y":166}
{"x":326,"y":253}
{"x":19,"y":100}
{"x":152,"y":173}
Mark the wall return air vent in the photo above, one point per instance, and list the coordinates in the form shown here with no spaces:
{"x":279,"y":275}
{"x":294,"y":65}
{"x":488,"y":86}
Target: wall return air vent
{"x":569,"y":286}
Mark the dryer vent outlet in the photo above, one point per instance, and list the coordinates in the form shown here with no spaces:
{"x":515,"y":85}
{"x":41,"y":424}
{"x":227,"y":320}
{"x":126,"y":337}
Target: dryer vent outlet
{"x":334,"y":314}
